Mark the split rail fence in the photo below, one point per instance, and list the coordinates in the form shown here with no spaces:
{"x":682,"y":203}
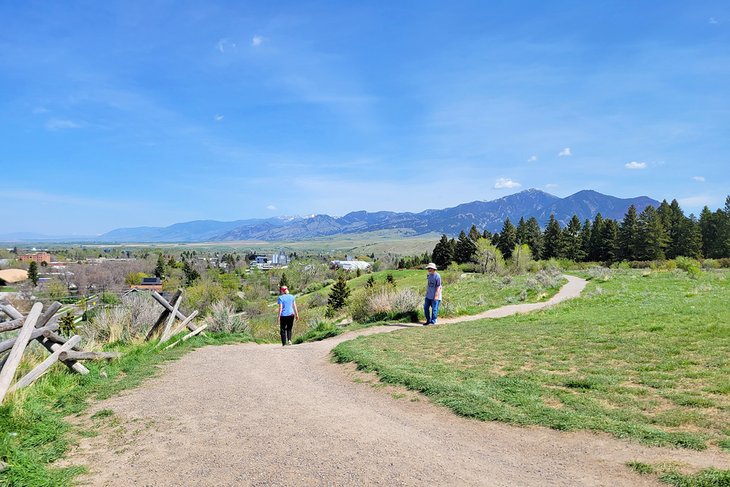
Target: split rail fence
{"x":42,"y":326}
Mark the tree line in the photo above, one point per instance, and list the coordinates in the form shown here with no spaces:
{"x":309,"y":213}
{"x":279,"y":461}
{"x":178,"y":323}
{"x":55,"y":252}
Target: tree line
{"x":654,"y":234}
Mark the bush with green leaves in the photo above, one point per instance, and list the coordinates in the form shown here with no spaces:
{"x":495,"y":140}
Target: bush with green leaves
{"x":690,"y":266}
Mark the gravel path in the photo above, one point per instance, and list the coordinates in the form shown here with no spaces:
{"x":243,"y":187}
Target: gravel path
{"x":270,"y":415}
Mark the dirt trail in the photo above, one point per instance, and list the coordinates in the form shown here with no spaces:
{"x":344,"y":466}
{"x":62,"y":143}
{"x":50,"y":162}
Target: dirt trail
{"x":270,"y":415}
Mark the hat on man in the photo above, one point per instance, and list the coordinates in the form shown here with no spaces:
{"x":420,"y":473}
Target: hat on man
{"x":431,"y":265}
{"x":283,"y":288}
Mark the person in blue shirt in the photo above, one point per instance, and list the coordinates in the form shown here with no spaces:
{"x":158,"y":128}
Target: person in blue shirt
{"x":433,"y":295}
{"x":287,"y":314}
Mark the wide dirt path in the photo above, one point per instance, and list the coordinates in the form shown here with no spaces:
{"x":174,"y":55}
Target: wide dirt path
{"x":270,"y":415}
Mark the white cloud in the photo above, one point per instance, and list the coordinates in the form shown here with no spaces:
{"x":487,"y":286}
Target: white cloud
{"x":532,"y":159}
{"x":62,"y":124}
{"x":40,"y":110}
{"x":218,"y":118}
{"x":271,"y":208}
{"x":635,"y":165}
{"x":551,"y":186}
{"x":700,"y":179}
{"x":224,"y":44}
{"x":506,"y":183}
{"x":257,"y":40}
{"x":713,"y":20}
{"x":565,"y":152}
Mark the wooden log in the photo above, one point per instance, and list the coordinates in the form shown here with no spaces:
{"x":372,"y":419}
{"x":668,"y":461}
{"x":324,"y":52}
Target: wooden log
{"x":10,"y":311}
{"x":165,"y":313}
{"x":183,"y":324}
{"x":189,"y":335}
{"x":38,"y":332}
{"x":48,"y":314}
{"x":56,"y":338}
{"x":170,"y":321}
{"x":71,"y":364}
{"x":11,"y":325}
{"x":16,"y":353}
{"x":74,"y":355}
{"x":43,"y":367}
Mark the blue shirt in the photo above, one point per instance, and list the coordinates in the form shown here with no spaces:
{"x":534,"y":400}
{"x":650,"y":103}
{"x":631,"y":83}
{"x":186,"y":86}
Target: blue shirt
{"x":287,"y":304}
{"x":434,"y":282}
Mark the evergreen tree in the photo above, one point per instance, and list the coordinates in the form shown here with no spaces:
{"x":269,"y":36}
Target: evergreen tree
{"x":160,"y":267}
{"x":552,"y":239}
{"x":33,"y":273}
{"x":465,"y":248}
{"x":688,"y":240}
{"x":571,"y":241}
{"x":629,"y":238}
{"x":585,"y":239}
{"x":595,"y":252}
{"x":390,"y":280}
{"x":710,"y":229}
{"x":283,"y":281}
{"x":443,"y":253}
{"x":610,"y":246}
{"x":486,"y":234}
{"x":339,"y":293}
{"x":534,"y":238}
{"x":521,"y":233}
{"x":190,"y":273}
{"x":507,"y":239}
{"x":474,"y":233}
{"x":370,"y":283}
{"x":652,"y":235}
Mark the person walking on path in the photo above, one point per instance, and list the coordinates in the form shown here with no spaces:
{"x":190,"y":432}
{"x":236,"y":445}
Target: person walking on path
{"x":433,"y":295}
{"x":287,"y":314}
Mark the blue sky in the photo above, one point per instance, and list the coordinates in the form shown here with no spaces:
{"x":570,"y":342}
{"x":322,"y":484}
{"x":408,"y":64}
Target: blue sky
{"x":142,"y":113}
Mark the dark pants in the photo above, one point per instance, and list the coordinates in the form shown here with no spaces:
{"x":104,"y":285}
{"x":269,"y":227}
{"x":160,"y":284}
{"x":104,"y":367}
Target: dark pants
{"x":286,"y":323}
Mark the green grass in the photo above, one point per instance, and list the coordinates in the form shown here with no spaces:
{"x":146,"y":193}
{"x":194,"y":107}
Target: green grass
{"x":7,"y":289}
{"x":33,"y":431}
{"x":669,"y":474}
{"x":464,"y":294}
{"x":641,"y":357}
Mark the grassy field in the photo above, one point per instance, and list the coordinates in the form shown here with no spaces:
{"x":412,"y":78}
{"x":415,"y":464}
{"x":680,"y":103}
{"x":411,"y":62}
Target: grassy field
{"x":464,"y":294}
{"x":33,"y":431}
{"x":640,"y":355}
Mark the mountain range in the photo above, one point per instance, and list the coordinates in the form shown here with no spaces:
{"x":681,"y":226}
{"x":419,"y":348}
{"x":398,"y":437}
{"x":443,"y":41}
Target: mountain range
{"x":488,"y":215}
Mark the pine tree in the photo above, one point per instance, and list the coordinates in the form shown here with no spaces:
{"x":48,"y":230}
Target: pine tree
{"x":370,"y":283}
{"x":585,"y":239}
{"x":507,"y":239}
{"x":534,"y":238}
{"x":629,"y":238}
{"x":552,"y":239}
{"x":610,"y":241}
{"x":33,"y":273}
{"x":486,"y":234}
{"x":160,"y":267}
{"x":465,"y":248}
{"x":688,"y":239}
{"x":521,"y":233}
{"x":339,"y":293}
{"x":474,"y":233}
{"x":652,"y":235}
{"x":283,"y":281}
{"x":595,"y":252}
{"x":443,"y":253}
{"x":190,"y":273}
{"x":571,"y":241}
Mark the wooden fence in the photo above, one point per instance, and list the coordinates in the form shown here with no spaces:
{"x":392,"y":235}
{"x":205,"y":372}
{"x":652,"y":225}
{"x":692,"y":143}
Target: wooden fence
{"x":42,"y":326}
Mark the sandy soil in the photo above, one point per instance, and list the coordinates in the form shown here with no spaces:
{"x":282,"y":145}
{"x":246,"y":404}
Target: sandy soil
{"x":270,"y":415}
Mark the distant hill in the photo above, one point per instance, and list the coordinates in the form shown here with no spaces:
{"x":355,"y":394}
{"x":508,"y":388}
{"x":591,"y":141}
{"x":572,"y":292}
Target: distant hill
{"x":484,"y":214}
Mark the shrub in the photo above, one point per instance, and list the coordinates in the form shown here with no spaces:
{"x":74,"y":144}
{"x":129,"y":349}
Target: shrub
{"x":319,"y":331}
{"x":387,"y":304}
{"x":223,"y":318}
{"x":600,"y":273}
{"x":690,"y":266}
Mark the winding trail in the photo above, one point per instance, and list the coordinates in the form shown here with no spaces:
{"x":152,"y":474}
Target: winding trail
{"x":269,"y":415}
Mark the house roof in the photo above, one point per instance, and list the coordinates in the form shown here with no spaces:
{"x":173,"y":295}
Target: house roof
{"x":13,"y":275}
